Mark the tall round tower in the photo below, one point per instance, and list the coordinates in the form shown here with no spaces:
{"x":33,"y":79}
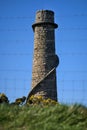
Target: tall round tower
{"x":45,"y":60}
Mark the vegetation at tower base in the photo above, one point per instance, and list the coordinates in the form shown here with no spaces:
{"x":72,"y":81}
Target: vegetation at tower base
{"x":39,"y":100}
{"x":47,"y":117}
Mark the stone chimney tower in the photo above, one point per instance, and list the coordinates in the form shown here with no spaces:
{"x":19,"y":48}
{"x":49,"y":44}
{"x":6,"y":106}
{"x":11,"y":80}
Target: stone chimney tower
{"x":45,"y":60}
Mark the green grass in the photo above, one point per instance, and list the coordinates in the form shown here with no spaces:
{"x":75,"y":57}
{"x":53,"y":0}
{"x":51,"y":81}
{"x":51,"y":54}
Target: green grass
{"x":57,"y":117}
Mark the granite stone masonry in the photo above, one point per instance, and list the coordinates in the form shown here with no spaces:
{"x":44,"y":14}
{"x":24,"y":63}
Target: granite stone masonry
{"x":45,"y":60}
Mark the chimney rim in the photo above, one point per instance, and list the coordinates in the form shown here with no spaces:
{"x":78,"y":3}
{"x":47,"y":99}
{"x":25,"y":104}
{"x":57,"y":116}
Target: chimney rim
{"x":45,"y":11}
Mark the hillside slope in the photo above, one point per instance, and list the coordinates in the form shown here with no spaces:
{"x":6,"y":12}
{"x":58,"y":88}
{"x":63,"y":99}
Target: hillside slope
{"x":56,"y":117}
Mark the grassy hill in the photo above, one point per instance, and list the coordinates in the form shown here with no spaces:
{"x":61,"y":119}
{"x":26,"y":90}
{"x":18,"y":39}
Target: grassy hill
{"x":37,"y":117}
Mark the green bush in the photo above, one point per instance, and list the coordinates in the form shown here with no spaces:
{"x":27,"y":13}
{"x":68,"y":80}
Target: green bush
{"x":3,"y":98}
{"x":38,"y":99}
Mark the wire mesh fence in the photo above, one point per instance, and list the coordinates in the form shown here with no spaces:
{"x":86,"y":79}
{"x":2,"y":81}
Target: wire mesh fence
{"x":69,"y":91}
{"x":16,"y":54}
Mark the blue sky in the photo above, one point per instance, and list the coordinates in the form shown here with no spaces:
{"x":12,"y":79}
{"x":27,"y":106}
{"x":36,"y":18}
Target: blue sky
{"x":17,"y":41}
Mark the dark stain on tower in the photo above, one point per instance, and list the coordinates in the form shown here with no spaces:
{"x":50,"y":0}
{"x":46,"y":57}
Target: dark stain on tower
{"x":45,"y":60}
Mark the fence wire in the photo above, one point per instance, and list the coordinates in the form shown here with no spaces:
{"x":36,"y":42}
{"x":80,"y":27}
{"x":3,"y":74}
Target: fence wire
{"x":15,"y":81}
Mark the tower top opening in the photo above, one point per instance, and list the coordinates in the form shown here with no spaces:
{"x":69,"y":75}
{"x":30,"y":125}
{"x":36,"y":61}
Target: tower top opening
{"x":47,"y":11}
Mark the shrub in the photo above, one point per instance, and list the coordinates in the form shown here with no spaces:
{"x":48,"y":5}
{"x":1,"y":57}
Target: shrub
{"x":3,"y":98}
{"x":38,"y":99}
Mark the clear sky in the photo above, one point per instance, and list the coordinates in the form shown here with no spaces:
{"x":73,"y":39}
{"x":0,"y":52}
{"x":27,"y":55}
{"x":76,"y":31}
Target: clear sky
{"x":17,"y":42}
